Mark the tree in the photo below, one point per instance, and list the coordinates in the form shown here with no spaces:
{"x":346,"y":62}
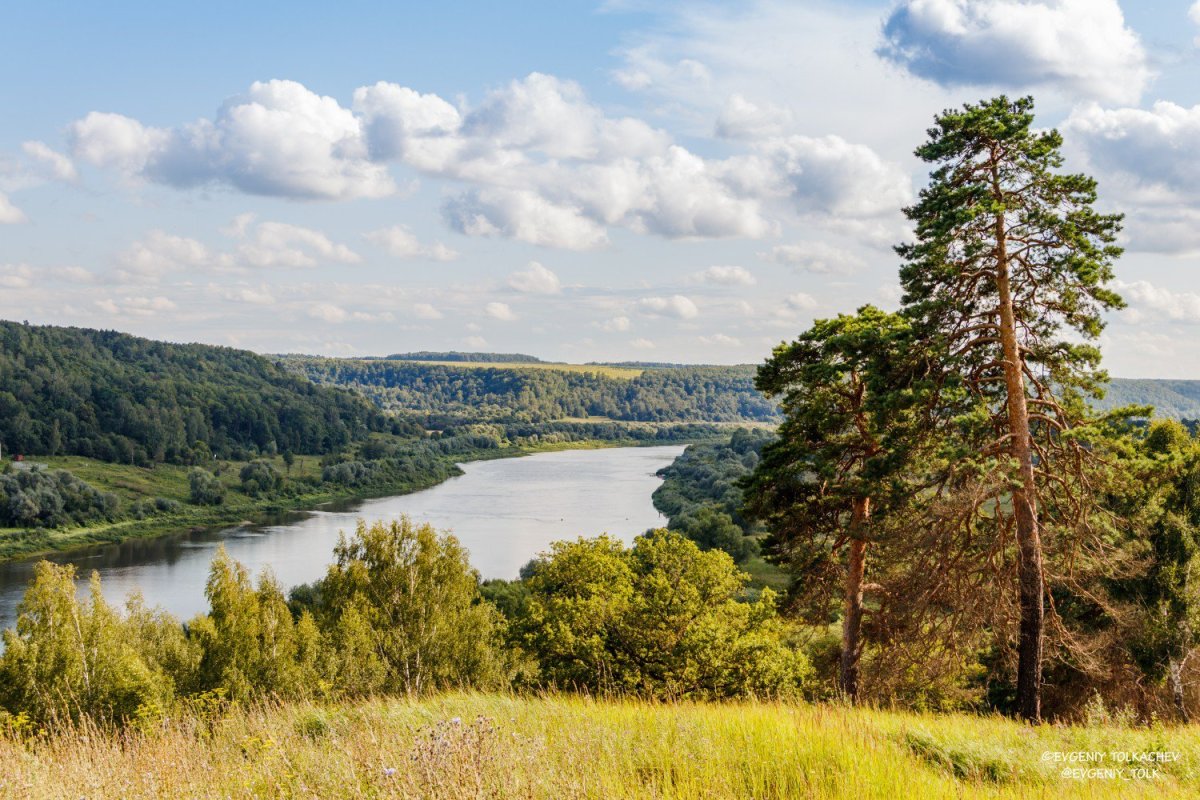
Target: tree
{"x":205,"y":489}
{"x":815,"y":485}
{"x":404,"y":602}
{"x":260,"y":478}
{"x":1008,"y":272}
{"x":661,"y":619}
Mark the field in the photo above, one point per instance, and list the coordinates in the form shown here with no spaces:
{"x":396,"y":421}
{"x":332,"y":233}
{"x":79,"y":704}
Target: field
{"x":464,"y":745}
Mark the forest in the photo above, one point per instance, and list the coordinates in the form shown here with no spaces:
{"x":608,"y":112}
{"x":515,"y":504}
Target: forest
{"x":437,"y":395}
{"x":120,"y":398}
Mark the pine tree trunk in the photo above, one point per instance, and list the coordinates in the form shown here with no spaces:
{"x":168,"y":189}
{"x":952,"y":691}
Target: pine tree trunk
{"x":1024,"y":500}
{"x":1175,"y":677}
{"x":852,"y":617}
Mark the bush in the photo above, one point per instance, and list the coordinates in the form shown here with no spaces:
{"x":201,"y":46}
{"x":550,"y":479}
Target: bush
{"x":39,"y":498}
{"x":661,"y":619}
{"x":260,"y":478}
{"x":206,"y":489}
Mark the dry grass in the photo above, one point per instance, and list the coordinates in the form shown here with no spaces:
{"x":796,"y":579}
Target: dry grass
{"x":469,"y":746}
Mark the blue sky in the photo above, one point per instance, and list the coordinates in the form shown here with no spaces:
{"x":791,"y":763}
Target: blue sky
{"x":580,"y":181}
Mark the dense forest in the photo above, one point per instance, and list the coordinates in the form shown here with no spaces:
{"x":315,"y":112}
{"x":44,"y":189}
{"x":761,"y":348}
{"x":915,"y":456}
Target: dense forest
{"x":116,"y":397}
{"x":454,"y":355}
{"x":438,"y":395}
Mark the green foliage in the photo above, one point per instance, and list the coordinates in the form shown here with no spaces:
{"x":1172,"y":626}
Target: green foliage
{"x":116,"y":397}
{"x":68,"y":658}
{"x":252,"y":646}
{"x":440,"y":395}
{"x":660,"y":619}
{"x":37,"y":498}
{"x":702,"y":497}
{"x":403,"y":602}
{"x":260,"y":478}
{"x":205,"y":489}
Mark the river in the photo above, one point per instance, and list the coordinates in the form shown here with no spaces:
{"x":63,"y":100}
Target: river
{"x":504,"y":512}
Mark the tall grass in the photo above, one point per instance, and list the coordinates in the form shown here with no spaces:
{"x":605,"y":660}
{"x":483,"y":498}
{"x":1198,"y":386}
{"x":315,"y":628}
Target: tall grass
{"x":467,"y":745}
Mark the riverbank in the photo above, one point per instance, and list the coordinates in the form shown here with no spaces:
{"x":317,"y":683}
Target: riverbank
{"x":168,"y":481}
{"x":468,"y":745}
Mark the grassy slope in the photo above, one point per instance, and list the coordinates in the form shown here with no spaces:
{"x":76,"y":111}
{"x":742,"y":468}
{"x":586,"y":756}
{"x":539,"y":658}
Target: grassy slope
{"x":503,"y":746}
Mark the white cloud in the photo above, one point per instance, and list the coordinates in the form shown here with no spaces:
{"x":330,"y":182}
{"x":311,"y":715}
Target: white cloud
{"x":1150,"y":159}
{"x":537,"y":279}
{"x":642,"y":344}
{"x":10,"y":214}
{"x":257,"y":296}
{"x":50,"y":163}
{"x":726,"y":276}
{"x":1194,"y":16}
{"x":426,"y":311}
{"x":400,"y":242}
{"x":721,"y":340}
{"x":817,"y":257}
{"x":16,"y":276}
{"x":799,"y":301}
{"x":500,"y":311}
{"x":541,"y":163}
{"x":525,"y":216}
{"x":136,"y":306}
{"x":742,"y":119}
{"x":278,"y":244}
{"x":676,"y":306}
{"x":280,"y":139}
{"x":477,"y":342}
{"x":328,"y":312}
{"x":616,"y":325}
{"x":1081,"y":47}
{"x":1143,"y":295}
{"x":159,"y":253}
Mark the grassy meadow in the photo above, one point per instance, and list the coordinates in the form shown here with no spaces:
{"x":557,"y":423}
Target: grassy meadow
{"x":468,"y":745}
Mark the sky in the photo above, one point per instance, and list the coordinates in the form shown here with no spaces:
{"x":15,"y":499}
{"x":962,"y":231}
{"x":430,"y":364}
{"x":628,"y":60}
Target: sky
{"x":581,"y":181}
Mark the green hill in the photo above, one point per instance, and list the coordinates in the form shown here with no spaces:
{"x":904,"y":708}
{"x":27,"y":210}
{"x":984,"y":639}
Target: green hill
{"x":1176,"y":399}
{"x":117,"y":397}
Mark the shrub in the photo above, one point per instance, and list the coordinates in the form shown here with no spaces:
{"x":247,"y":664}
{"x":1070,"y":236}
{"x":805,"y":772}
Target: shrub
{"x":260,"y":478}
{"x":206,"y":489}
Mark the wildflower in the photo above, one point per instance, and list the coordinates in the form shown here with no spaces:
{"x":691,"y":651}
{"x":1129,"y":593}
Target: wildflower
{"x":389,"y":771}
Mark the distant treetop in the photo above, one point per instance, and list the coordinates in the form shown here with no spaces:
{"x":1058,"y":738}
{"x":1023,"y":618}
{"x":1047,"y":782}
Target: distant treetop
{"x":426,"y":355}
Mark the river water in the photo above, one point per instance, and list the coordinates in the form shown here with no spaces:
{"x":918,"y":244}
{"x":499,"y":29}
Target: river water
{"x":504,"y":512}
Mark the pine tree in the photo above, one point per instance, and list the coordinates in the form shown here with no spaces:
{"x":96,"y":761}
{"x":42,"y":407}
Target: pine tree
{"x":1007,"y":277}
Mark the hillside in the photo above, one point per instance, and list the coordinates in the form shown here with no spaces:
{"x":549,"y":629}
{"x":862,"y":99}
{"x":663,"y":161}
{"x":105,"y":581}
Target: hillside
{"x":1176,"y":399}
{"x":437,"y":394}
{"x":469,"y":745}
{"x":117,"y":397}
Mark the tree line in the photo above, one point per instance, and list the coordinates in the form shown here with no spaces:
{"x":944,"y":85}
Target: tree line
{"x":400,"y":611}
{"x":438,"y":395}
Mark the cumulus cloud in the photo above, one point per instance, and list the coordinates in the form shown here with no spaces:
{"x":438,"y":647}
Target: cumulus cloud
{"x":1082,"y":47}
{"x":1145,"y":296}
{"x":160,"y":252}
{"x":677,"y":306}
{"x":10,"y":214}
{"x":50,"y":163}
{"x":537,"y":279}
{"x":817,"y":257}
{"x":328,"y":312}
{"x":1194,"y":16}
{"x":279,"y":139}
{"x":426,"y":311}
{"x":742,"y":119}
{"x":477,"y":342}
{"x":798,"y":302}
{"x":523,"y":215}
{"x":16,"y":276}
{"x":500,"y":311}
{"x":721,"y":340}
{"x":642,"y":344}
{"x":1151,"y":159}
{"x":616,"y":325}
{"x":725,"y":276}
{"x":540,"y":162}
{"x":400,"y":242}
